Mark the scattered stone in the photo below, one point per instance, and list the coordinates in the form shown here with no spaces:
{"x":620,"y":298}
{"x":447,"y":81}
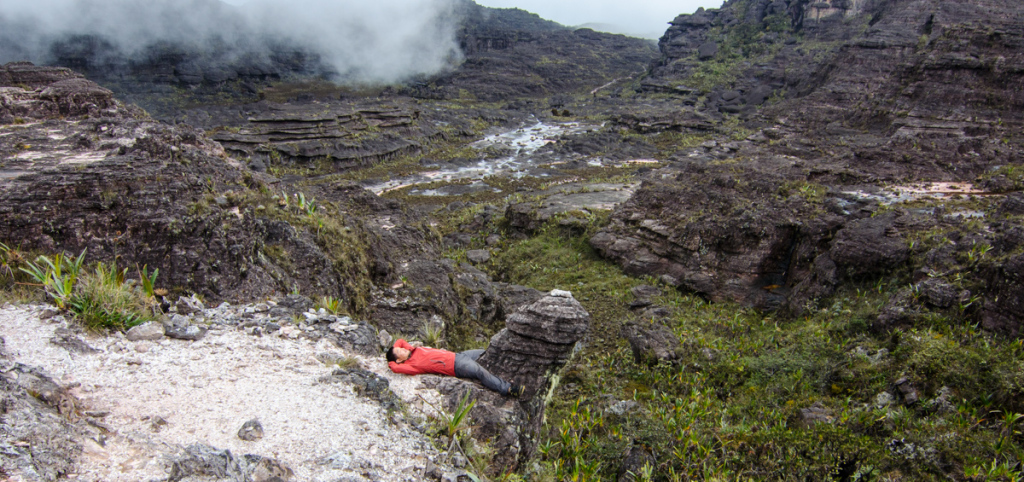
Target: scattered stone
{"x":941,"y":404}
{"x":645,"y":291}
{"x":67,"y":339}
{"x":459,"y":461}
{"x":200,"y":460}
{"x":478,"y":256}
{"x":251,"y":431}
{"x":149,"y":331}
{"x":707,"y":50}
{"x":188,"y":333}
{"x":189,"y":305}
{"x":157,"y":423}
{"x":623,"y":407}
{"x":651,"y":344}
{"x":367,"y":384}
{"x":432,"y":471}
{"x":939,"y":293}
{"x":384,"y":339}
{"x":907,"y":391}
{"x":48,"y":313}
{"x":639,"y":456}
{"x":815,"y":414}
{"x":337,"y":461}
{"x":884,"y":399}
{"x":271,"y":470}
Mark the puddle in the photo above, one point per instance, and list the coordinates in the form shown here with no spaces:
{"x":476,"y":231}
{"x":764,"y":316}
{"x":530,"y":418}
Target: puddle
{"x":86,"y":158}
{"x":917,"y":191}
{"x":524,"y":142}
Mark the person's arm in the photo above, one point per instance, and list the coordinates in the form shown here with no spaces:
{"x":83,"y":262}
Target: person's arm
{"x":401,"y":343}
{"x":403,"y":368}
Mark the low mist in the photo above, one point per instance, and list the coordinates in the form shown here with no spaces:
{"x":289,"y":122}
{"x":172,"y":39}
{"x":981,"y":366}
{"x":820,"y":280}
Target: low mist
{"x":379,"y":41}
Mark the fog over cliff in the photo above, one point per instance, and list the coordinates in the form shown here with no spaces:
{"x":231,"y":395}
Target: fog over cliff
{"x":368,"y":41}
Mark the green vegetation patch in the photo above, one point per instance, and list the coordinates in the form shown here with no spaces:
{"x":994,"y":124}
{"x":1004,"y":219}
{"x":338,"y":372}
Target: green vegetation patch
{"x":755,"y":396}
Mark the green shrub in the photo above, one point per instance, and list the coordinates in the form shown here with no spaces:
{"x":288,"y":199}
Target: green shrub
{"x":100,"y":299}
{"x":104,"y":300}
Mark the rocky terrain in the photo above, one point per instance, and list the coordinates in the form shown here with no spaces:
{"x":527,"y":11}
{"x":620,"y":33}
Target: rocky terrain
{"x":792,"y":234}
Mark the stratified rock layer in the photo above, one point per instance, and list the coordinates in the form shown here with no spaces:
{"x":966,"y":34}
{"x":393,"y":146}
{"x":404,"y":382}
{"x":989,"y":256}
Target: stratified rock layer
{"x":538,"y":341}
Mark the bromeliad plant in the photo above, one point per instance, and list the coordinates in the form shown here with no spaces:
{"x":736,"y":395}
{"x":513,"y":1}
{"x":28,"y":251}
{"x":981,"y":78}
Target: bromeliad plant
{"x":101,"y":299}
{"x":57,"y":276}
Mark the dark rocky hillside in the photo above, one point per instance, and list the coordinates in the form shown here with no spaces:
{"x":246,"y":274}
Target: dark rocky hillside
{"x":863,"y":94}
{"x":795,"y":229}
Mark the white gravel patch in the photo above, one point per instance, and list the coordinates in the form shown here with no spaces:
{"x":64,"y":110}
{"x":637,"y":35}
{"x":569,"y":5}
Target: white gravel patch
{"x":206,"y":390}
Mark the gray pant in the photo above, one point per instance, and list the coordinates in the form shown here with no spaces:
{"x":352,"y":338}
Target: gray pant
{"x":467,"y":367}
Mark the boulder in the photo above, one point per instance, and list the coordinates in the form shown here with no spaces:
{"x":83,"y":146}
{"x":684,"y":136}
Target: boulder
{"x":537,"y":341}
{"x":707,"y":50}
{"x":38,"y":435}
{"x":251,"y":431}
{"x":150,"y":331}
{"x":651,"y":343}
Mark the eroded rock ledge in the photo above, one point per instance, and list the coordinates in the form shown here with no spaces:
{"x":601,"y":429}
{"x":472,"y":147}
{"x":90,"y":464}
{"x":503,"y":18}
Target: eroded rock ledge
{"x":537,"y":342}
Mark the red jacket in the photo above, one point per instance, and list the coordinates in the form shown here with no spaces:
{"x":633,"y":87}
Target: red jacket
{"x":424,"y":360}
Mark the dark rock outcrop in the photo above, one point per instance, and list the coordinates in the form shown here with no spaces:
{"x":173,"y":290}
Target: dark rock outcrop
{"x":345,"y":135}
{"x":111,"y":181}
{"x":537,"y":341}
{"x":512,"y":53}
{"x":203,"y":461}
{"x":38,"y":435}
{"x":651,"y":344}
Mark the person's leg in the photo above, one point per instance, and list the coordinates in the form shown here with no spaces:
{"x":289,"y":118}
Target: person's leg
{"x":467,"y":367}
{"x":474,"y":354}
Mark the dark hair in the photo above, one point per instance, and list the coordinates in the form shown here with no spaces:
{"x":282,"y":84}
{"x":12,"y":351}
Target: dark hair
{"x":390,"y":355}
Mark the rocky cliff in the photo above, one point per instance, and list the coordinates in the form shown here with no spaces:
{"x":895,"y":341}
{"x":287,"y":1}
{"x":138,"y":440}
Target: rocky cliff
{"x":864,"y":94}
{"x":83,"y":172}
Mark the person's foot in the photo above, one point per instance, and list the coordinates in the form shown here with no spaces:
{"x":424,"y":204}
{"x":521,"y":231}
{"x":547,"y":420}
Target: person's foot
{"x":516,"y":391}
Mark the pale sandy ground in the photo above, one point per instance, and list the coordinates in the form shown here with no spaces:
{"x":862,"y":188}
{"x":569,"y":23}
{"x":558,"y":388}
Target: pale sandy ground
{"x":206,"y":390}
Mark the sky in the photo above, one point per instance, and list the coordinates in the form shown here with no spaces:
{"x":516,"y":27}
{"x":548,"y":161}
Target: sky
{"x":376,"y":41}
{"x":641,"y":18}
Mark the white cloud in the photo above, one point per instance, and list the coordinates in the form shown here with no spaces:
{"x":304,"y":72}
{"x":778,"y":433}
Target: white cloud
{"x":372,"y":41}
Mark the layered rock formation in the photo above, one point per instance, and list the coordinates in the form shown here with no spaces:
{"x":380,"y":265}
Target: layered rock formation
{"x":866,"y":93}
{"x":538,"y":340}
{"x":110,"y":180}
{"x":346,"y":136}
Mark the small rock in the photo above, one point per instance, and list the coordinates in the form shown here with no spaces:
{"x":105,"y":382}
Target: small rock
{"x":337,"y":461}
{"x":66,"y":339}
{"x":884,"y":399}
{"x":432,"y":471}
{"x":189,"y":305}
{"x":907,"y":390}
{"x":459,"y":461}
{"x":48,"y":313}
{"x":150,"y":331}
{"x":251,"y":431}
{"x":561,"y":294}
{"x":157,"y":423}
{"x":623,"y":407}
{"x":815,"y":414}
{"x":477,"y":256}
{"x":384,"y":338}
{"x":188,"y":333}
{"x":269,"y":470}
